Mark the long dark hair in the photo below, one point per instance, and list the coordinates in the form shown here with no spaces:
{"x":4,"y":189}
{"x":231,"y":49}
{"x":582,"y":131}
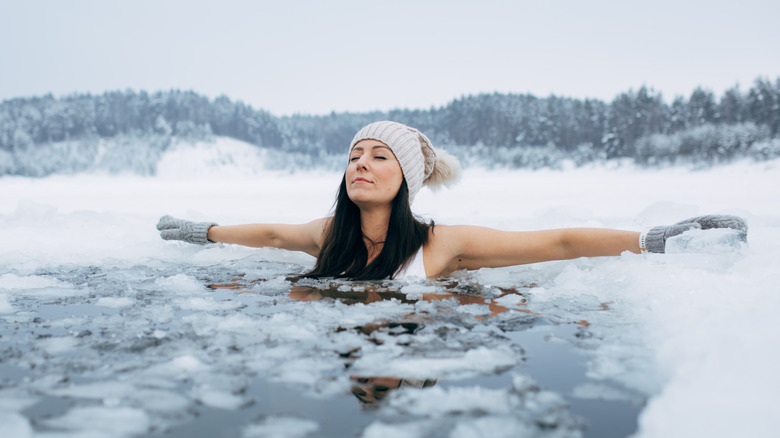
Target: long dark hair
{"x":344,"y":253}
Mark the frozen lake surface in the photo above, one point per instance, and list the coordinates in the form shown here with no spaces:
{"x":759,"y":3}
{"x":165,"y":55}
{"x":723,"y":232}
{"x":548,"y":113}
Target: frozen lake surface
{"x":106,"y":330}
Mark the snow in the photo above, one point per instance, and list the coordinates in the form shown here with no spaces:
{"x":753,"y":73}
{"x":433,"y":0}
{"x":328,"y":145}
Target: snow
{"x":140,"y":333}
{"x":227,"y":158}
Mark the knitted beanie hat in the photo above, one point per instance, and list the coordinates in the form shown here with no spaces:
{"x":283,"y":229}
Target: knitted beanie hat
{"x":422,"y":165}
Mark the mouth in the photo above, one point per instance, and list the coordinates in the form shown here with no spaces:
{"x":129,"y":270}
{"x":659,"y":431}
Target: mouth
{"x":360,"y":180}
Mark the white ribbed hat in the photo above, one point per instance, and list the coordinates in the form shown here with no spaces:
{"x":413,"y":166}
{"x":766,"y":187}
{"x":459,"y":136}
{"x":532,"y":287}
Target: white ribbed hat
{"x":420,"y":162}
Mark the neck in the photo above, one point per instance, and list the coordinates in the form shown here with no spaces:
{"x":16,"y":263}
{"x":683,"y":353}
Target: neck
{"x":373,"y":224}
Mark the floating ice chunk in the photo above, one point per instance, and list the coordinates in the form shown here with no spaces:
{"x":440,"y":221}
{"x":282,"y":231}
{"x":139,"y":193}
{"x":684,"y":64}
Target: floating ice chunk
{"x":420,"y":288}
{"x":188,"y":363}
{"x":205,"y":324}
{"x":115,"y":302}
{"x":14,"y":425}
{"x":496,"y":427}
{"x":538,"y":292}
{"x":524,"y":383}
{"x":218,"y":398}
{"x":14,"y":399}
{"x":510,"y":300}
{"x":208,"y":304}
{"x":287,"y":327}
{"x":112,"y":402}
{"x":97,"y":390}
{"x":438,"y":402}
{"x":13,"y":281}
{"x":158,"y":313}
{"x":57,"y":345}
{"x":156,"y":400}
{"x":481,"y":360}
{"x":180,"y":366}
{"x":179,"y":283}
{"x":595,"y":391}
{"x":5,"y":305}
{"x":277,"y":285}
{"x":414,"y":429}
{"x":103,"y":421}
{"x":304,"y":371}
{"x":473,"y":309}
{"x":281,"y":427}
{"x":51,"y":292}
{"x":713,"y":241}
{"x":37,"y":286}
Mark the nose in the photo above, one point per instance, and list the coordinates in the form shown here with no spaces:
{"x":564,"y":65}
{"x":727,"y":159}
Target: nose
{"x":361,"y":162}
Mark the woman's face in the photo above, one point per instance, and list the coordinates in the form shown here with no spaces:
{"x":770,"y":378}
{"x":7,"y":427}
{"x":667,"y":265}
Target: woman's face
{"x":373,"y":175}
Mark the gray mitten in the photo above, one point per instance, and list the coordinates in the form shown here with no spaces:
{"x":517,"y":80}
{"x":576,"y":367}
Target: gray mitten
{"x":655,"y":241}
{"x":172,"y":228}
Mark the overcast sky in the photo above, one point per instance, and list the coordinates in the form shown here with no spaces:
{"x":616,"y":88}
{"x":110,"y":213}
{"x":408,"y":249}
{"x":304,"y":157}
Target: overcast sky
{"x":317,"y":56}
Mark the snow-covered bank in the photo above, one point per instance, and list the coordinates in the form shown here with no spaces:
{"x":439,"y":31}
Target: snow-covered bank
{"x":695,"y":333}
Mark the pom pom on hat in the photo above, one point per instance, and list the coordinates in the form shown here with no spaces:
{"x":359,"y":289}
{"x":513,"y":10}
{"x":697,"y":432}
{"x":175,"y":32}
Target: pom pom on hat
{"x":420,"y":162}
{"x":446,"y":171}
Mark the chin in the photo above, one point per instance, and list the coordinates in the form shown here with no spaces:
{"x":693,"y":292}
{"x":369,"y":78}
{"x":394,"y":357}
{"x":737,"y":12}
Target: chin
{"x":367,"y":200}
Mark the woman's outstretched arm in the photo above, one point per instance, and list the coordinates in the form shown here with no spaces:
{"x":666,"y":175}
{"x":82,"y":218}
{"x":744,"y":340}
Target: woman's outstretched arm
{"x":294,"y":237}
{"x":468,"y":247}
{"x":301,"y":237}
{"x":464,"y":247}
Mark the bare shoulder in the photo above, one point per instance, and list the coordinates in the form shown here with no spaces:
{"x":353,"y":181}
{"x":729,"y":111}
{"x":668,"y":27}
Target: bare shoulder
{"x":445,"y":231}
{"x":445,"y":244}
{"x":320,"y":224}
{"x":455,"y":236}
{"x":449,"y":236}
{"x":318,"y":228}
{"x":454,"y":240}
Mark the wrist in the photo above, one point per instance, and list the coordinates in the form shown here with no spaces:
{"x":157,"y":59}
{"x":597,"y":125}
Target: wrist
{"x":197,"y":232}
{"x":643,"y":242}
{"x":211,"y":233}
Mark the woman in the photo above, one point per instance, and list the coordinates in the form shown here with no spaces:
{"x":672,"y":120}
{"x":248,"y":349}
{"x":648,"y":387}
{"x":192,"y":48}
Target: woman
{"x":374,"y":235}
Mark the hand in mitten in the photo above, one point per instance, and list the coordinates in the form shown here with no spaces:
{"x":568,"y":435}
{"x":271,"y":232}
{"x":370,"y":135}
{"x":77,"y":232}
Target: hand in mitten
{"x":655,"y":240}
{"x":172,"y":228}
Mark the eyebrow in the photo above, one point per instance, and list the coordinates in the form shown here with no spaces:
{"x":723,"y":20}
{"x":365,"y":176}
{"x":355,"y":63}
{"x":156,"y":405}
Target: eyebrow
{"x":373,"y":147}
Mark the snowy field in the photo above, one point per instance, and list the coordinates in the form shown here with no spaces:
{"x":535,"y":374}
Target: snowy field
{"x":106,"y":330}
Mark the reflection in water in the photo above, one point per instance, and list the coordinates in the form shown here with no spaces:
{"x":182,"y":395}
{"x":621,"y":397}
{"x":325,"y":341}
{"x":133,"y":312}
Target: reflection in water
{"x":309,"y":293}
{"x":371,"y":390}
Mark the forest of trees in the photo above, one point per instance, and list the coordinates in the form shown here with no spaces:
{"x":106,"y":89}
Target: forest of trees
{"x":44,"y":135}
